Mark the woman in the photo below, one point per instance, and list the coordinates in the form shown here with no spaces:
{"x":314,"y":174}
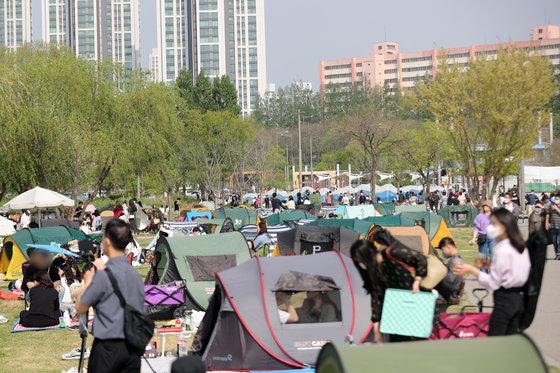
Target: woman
{"x":509,"y":271}
{"x":382,"y":269}
{"x":291,"y":204}
{"x":263,"y":238}
{"x":117,"y":210}
{"x":481,"y":222}
{"x":44,"y":306}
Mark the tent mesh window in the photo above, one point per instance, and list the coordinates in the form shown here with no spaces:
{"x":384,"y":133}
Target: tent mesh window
{"x":314,"y":306}
{"x":204,"y":267}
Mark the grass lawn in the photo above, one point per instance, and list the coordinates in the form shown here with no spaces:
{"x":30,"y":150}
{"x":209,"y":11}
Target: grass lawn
{"x":41,"y":351}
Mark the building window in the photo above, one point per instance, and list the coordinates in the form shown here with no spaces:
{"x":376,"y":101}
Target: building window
{"x":338,"y":67}
{"x":379,"y":47}
{"x":540,"y":31}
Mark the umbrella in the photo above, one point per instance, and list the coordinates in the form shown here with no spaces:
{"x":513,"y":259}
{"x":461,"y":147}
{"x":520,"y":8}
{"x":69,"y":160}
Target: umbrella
{"x":38,"y":197}
{"x":90,"y":208}
{"x":54,"y":248}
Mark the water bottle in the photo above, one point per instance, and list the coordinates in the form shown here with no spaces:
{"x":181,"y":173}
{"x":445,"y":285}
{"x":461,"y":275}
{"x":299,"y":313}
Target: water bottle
{"x":182,"y":349}
{"x":66,"y":316}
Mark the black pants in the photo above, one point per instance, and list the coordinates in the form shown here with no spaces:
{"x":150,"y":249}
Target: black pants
{"x":34,"y":320}
{"x":113,"y":355}
{"x":508,"y":309}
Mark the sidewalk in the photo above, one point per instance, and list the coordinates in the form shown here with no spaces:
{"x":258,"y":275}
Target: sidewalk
{"x":545,"y":329}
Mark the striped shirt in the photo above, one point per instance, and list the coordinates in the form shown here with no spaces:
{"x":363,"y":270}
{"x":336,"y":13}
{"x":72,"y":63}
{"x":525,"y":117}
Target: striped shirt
{"x":554,"y":221}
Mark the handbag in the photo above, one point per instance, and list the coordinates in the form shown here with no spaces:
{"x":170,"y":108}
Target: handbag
{"x":138,"y":328}
{"x":436,"y":270}
{"x":481,"y":239}
{"x":407,"y":313}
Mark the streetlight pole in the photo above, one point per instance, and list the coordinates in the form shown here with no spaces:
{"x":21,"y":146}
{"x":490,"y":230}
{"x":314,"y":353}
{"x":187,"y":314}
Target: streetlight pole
{"x":299,"y":141}
{"x":311,"y":159}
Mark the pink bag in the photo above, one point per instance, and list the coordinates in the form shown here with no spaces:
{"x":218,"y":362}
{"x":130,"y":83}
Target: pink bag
{"x":461,"y":325}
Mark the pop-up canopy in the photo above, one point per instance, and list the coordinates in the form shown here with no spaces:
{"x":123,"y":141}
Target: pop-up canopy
{"x":38,"y":197}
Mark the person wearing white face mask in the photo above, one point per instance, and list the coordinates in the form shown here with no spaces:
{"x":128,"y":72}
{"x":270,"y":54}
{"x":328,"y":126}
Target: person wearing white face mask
{"x":511,"y":206}
{"x":509,"y":271}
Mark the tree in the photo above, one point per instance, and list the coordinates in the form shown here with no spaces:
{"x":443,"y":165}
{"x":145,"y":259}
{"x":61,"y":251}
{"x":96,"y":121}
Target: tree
{"x":375,"y":136}
{"x":489,"y":112}
{"x":281,"y":109}
{"x":225,"y":95}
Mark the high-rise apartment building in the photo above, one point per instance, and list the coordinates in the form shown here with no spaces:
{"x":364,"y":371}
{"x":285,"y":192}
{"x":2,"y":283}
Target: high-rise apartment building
{"x":155,"y":65}
{"x":95,"y":29}
{"x":15,"y":23}
{"x":219,"y":37}
{"x":387,"y":66}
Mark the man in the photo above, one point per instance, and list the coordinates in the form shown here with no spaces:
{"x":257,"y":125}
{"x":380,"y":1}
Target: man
{"x":435,"y":201}
{"x":509,"y":205}
{"x":450,"y":285}
{"x":110,"y":351}
{"x":553,"y":224}
{"x":345,"y":199}
{"x":444,"y":199}
{"x":531,"y":199}
{"x":515,"y":196}
{"x":276,"y":203}
{"x":537,"y":218}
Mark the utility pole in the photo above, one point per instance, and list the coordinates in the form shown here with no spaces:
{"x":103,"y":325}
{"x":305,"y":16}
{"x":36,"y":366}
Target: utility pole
{"x":299,"y":140}
{"x":138,"y":186}
{"x":311,"y":160}
{"x":521,"y":185}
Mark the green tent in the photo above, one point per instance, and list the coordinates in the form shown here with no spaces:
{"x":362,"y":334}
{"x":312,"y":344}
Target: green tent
{"x":213,"y":226}
{"x":195,"y":259}
{"x":459,"y":216}
{"x":14,"y":252}
{"x":391,"y":221}
{"x":515,"y":353}
{"x":433,"y":224}
{"x":240,"y":216}
{"x":410,"y":208}
{"x":386,"y":209}
{"x":284,"y":217}
{"x":357,"y":225}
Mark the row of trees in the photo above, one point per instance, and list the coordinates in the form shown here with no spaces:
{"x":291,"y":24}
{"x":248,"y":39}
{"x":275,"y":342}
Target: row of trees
{"x":74,"y":125}
{"x":482,"y":120}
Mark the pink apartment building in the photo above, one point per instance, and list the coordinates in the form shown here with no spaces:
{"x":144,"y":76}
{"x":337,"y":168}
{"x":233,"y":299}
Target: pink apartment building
{"x":386,"y":65}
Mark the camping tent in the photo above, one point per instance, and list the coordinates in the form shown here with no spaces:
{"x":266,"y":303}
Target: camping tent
{"x":305,"y":240}
{"x":412,"y":237}
{"x":391,"y":221}
{"x":14,"y":252}
{"x":241,"y":329}
{"x":250,"y":231}
{"x":194,"y":259}
{"x":360,"y":212}
{"x":7,"y":226}
{"x":357,"y":225}
{"x":385,"y":209}
{"x":433,"y":224}
{"x":410,"y":208}
{"x":57,"y":222}
{"x":216,"y":225}
{"x":192,"y":214}
{"x":386,"y":192}
{"x":459,"y":216}
{"x":239,"y":216}
{"x":38,"y":197}
{"x":515,"y":353}
{"x":286,"y":217}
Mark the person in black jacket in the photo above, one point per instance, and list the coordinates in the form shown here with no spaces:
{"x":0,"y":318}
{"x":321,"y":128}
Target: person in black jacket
{"x":44,"y":306}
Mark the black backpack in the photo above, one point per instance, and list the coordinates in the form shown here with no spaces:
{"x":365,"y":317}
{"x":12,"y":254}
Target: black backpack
{"x":138,"y":328}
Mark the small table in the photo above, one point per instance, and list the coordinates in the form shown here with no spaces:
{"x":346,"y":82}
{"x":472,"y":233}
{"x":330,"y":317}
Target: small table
{"x":173,"y":330}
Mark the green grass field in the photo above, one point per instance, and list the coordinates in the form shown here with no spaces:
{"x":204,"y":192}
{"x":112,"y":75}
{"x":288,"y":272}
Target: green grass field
{"x":41,"y":351}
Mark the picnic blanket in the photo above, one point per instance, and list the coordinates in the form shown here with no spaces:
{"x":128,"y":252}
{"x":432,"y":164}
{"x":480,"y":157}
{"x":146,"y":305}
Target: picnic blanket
{"x":9,"y":295}
{"x":17,"y":327}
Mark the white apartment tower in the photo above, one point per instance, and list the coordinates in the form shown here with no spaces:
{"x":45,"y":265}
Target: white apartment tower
{"x":95,"y":29}
{"x":219,"y":37}
{"x":155,"y":65}
{"x":15,"y":23}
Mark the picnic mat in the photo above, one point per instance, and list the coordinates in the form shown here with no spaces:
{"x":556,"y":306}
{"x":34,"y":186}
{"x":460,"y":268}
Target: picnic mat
{"x":9,"y":295}
{"x":17,"y":327}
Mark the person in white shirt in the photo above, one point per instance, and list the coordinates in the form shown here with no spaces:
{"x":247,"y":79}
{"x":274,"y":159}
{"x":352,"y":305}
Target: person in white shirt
{"x":291,"y":204}
{"x":509,"y":272}
{"x":25,"y":219}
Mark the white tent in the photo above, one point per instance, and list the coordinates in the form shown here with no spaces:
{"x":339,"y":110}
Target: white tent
{"x":408,"y":188}
{"x":7,"y":226}
{"x":365,"y":187}
{"x":324,"y":191}
{"x":384,"y":188}
{"x":38,"y":197}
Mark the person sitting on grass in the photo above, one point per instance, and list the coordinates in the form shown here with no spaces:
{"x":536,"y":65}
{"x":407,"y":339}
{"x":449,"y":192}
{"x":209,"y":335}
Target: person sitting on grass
{"x":69,"y":283}
{"x":44,"y":306}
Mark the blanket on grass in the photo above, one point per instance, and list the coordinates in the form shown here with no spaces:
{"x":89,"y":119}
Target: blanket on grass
{"x":17,"y":327}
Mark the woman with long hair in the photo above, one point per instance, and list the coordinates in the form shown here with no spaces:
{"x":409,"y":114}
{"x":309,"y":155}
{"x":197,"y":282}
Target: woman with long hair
{"x":509,"y":271}
{"x":118,"y":209}
{"x":44,"y":306}
{"x":382,"y":268}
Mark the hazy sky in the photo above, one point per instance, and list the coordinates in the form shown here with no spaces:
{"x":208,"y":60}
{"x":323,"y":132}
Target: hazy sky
{"x":300,"y":33}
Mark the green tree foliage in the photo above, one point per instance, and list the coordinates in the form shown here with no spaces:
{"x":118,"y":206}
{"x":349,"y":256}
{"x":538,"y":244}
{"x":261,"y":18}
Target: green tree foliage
{"x":281,"y":109}
{"x":489,"y":112}
{"x":218,"y":94}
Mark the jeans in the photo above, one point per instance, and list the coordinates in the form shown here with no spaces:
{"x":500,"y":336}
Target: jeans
{"x":556,"y":239}
{"x":486,"y":249}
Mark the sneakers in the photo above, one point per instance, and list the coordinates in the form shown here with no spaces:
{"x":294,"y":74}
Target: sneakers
{"x":75,"y":354}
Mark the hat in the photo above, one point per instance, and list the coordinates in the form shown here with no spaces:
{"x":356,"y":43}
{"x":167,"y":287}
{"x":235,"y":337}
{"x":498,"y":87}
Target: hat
{"x":487,"y":203}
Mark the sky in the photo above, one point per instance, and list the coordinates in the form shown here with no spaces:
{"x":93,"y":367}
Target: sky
{"x":300,"y":33}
